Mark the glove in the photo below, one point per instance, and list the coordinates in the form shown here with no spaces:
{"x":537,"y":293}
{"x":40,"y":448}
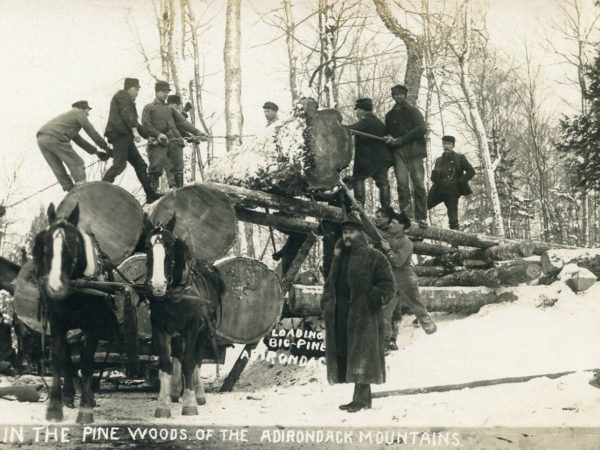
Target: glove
{"x":162,"y":139}
{"x":102,"y":156}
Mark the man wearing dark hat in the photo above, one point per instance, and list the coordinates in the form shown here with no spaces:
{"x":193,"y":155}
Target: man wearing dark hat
{"x":450,"y":176}
{"x":123,"y":130}
{"x":54,"y":140}
{"x":371,"y":156}
{"x":165,"y":151}
{"x":406,"y":130}
{"x":270,"y":109}
{"x":398,"y":249}
{"x":359,"y":284}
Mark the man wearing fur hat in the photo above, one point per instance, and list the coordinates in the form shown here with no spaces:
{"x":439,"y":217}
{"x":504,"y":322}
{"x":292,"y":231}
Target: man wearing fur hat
{"x":398,"y":249}
{"x":371,"y":156}
{"x":359,"y":284}
{"x":54,"y":140}
{"x":123,"y":130}
{"x":450,"y":176}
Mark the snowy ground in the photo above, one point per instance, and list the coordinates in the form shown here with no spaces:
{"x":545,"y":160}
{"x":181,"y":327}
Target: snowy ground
{"x":504,"y":340}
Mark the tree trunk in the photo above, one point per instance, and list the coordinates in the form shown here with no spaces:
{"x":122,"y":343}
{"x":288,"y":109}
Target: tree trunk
{"x":171,"y":46}
{"x":428,"y":249}
{"x":291,"y":50}
{"x":233,"y":75}
{"x":496,"y":277}
{"x":553,"y":261}
{"x":431,"y":271}
{"x":520,"y":249}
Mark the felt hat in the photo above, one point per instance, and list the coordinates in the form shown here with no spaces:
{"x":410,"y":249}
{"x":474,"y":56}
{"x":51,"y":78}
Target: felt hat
{"x":131,"y":82}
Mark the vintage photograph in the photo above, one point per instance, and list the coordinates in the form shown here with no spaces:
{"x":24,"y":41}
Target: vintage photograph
{"x":294,"y":224}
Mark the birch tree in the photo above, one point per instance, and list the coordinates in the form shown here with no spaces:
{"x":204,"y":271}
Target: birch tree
{"x":233,"y":74}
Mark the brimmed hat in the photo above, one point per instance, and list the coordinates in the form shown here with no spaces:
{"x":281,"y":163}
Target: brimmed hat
{"x":448,"y":138}
{"x":270,"y":105}
{"x":131,"y":82}
{"x":352,"y":221}
{"x":174,"y":100}
{"x":161,"y":86}
{"x":81,"y":104}
{"x":400,"y":88}
{"x":366,"y":104}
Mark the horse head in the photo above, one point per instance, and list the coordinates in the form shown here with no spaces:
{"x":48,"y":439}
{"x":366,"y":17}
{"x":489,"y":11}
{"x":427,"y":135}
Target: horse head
{"x":59,"y":253}
{"x":161,"y":256}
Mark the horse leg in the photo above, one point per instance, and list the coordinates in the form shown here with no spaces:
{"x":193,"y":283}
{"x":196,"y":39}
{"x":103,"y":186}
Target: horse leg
{"x":197,"y":380}
{"x":176,"y":353}
{"x":165,"y":369}
{"x":188,"y":364}
{"x":59,"y":344}
{"x":69,"y":387}
{"x":86,"y":406}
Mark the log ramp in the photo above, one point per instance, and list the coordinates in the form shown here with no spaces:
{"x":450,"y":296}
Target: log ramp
{"x":465,"y":271}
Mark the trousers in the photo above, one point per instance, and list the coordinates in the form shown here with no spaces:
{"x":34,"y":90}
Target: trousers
{"x":405,"y":168}
{"x":59,"y":154}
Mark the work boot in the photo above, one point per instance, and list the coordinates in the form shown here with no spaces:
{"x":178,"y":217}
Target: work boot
{"x":428,"y":324}
{"x":385,"y":199}
{"x":151,"y":194}
{"x":178,"y":180}
{"x":423,"y":223}
{"x":357,"y":406}
{"x":347,"y":406}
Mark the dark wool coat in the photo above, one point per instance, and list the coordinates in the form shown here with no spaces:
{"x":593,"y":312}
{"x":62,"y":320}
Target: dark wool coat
{"x":452,"y":167}
{"x":122,"y":117}
{"x":370,"y":278}
{"x":406,"y":123}
{"x":370,"y":155}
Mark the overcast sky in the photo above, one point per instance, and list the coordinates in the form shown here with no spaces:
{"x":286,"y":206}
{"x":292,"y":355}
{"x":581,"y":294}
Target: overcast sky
{"x":58,"y":51}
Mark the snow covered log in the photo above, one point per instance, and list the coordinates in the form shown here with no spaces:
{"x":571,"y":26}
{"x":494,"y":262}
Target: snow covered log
{"x":531,"y":260}
{"x":429,"y":249}
{"x":520,"y":249}
{"x":431,"y":271}
{"x":577,"y":278}
{"x":467,"y":300}
{"x":292,"y":156}
{"x":496,"y":277}
{"x":553,"y":260}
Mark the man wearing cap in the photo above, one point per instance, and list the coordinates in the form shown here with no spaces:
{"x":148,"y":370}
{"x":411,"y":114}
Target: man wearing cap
{"x":398,"y":249}
{"x":450,"y":176}
{"x":371,"y":156}
{"x":359,"y":284}
{"x":54,"y":140}
{"x":186,"y":128}
{"x":406,"y":130}
{"x":270,"y":110}
{"x":123,"y":130}
{"x":165,"y":151}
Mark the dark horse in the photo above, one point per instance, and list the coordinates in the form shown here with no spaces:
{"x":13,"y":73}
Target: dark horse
{"x":63,"y":253}
{"x":183,"y":303}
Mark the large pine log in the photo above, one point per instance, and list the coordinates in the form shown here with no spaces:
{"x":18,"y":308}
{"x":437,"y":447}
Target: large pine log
{"x":429,"y":249}
{"x":521,"y":249}
{"x":431,"y":271}
{"x":552,"y":261}
{"x":496,"y":277}
{"x":289,"y":224}
{"x":529,"y":261}
{"x":577,"y":278}
{"x":467,"y":300}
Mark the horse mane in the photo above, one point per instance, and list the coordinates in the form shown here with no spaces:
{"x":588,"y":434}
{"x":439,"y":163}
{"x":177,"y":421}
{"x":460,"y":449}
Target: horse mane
{"x":179,"y":252}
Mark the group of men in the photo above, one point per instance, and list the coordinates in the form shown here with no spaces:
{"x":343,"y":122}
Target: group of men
{"x":399,"y":142}
{"x":367,"y":285}
{"x":163,"y":124}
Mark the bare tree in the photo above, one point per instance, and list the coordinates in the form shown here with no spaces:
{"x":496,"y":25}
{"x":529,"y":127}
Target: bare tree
{"x":233,"y":74}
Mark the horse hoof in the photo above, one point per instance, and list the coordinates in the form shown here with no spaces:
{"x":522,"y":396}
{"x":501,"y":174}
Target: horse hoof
{"x":189,"y":411}
{"x":54,"y":415}
{"x":85,"y":417}
{"x":162,"y":413}
{"x":174,"y":398}
{"x":201,"y":401}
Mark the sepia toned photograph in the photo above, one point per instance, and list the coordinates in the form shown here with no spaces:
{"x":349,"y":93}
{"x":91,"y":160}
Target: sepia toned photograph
{"x":294,"y":224}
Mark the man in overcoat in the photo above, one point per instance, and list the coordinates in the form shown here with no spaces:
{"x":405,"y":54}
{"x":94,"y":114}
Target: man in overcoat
{"x":123,"y":130}
{"x":372,"y":158}
{"x":359,"y":284}
{"x":450,"y":176}
{"x":406,"y":128}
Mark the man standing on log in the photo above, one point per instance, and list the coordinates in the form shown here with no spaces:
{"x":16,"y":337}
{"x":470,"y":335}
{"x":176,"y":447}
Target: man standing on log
{"x":450,"y":176}
{"x":54,"y":140}
{"x":165,"y":151}
{"x":359,"y":285}
{"x":398,"y":249}
{"x":406,"y":130}
{"x":123,"y":131}
{"x":371,"y":156}
{"x":270,"y":109}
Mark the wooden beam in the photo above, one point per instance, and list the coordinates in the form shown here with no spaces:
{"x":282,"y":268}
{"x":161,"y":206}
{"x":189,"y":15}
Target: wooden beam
{"x":290,"y":224}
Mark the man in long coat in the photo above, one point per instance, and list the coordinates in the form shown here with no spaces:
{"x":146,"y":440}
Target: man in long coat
{"x":372,"y":158}
{"x":450,"y":176}
{"x":359,"y":284}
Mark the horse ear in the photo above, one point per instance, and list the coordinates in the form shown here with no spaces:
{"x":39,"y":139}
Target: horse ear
{"x":74,"y":216}
{"x":51,"y":214}
{"x":148,"y":225}
{"x":171,"y":223}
